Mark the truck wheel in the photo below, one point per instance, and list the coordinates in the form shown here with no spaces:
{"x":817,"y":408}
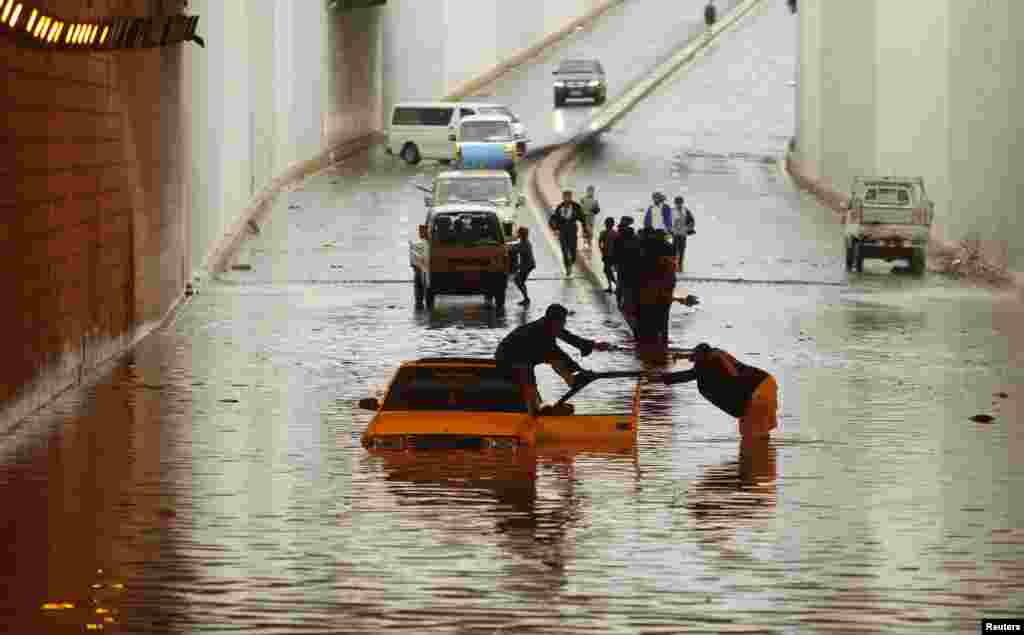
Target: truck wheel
{"x":858,"y":257}
{"x":849,"y":256}
{"x":411,"y":154}
{"x":417,"y":287}
{"x":559,"y":101}
{"x":917,"y":261}
{"x":429,"y":295}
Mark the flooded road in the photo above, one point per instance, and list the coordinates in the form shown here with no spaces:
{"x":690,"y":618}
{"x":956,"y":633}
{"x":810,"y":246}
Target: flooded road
{"x":213,"y":479}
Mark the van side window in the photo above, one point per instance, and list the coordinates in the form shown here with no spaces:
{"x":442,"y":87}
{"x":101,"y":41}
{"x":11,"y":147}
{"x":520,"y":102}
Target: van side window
{"x":436,"y":116}
{"x":406,"y":117}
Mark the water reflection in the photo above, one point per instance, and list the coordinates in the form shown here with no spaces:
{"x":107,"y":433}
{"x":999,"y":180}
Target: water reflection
{"x":734,"y":495}
{"x":467,"y":314}
{"x":529,"y":501}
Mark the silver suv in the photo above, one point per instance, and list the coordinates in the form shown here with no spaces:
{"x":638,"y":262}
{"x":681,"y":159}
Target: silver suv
{"x":580,"y":79}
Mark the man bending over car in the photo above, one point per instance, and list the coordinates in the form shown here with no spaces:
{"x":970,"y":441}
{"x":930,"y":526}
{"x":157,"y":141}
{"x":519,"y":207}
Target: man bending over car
{"x":535,"y":343}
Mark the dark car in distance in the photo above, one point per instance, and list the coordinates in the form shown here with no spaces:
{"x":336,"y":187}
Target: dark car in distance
{"x":582,"y":79}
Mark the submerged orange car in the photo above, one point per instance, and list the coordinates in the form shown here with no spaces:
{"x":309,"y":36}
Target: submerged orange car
{"x":463,"y":402}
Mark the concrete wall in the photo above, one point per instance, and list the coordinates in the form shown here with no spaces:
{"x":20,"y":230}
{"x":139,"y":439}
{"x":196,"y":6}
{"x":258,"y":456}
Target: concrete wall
{"x":920,"y":87}
{"x":277,"y":84}
{"x":430,"y":47}
{"x":125,"y":168}
{"x":91,"y":219}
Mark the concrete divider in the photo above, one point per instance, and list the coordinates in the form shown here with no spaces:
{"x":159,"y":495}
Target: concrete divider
{"x":545,"y":175}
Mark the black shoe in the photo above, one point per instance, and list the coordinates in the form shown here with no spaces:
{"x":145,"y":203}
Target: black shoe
{"x":609,"y":290}
{"x":524,"y":302}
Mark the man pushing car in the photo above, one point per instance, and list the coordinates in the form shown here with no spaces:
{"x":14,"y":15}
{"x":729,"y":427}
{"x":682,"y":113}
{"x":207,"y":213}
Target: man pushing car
{"x":745,"y":392}
{"x":535,"y":343}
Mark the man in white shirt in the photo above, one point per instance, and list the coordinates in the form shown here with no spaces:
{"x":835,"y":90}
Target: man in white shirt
{"x":683,"y":225}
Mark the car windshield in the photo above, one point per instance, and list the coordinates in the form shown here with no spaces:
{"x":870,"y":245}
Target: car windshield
{"x":467,"y":229}
{"x":888,"y":196}
{"x":491,"y":189}
{"x":486,"y":131}
{"x":577,"y":66}
{"x":500,"y":111}
{"x":462,"y":389}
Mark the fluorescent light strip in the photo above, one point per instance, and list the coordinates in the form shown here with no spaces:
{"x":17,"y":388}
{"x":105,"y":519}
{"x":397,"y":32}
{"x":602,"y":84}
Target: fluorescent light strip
{"x":7,"y":10}
{"x":14,"y":18}
{"x":103,"y":38}
{"x":31,"y":21}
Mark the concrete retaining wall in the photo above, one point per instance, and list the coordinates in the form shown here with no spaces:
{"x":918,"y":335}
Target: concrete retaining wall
{"x":430,"y":48}
{"x":128,"y":169}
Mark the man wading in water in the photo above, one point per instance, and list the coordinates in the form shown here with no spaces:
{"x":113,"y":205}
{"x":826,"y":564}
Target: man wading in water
{"x":745,"y":392}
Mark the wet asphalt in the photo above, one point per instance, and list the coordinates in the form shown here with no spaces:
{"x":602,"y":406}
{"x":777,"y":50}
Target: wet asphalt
{"x":213,"y":478}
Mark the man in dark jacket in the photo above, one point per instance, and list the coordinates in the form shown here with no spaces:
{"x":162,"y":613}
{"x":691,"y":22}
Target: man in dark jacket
{"x":535,"y":343}
{"x":655,"y":286}
{"x":710,"y":14}
{"x":745,"y":392}
{"x":620,"y":249}
{"x":565,"y":220}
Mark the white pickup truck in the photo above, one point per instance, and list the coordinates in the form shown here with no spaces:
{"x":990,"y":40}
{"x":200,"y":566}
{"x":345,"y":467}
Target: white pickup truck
{"x":492,"y":187}
{"x":888,"y":218}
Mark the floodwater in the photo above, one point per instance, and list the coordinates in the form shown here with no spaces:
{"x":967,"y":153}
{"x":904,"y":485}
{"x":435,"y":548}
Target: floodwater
{"x":213,"y":480}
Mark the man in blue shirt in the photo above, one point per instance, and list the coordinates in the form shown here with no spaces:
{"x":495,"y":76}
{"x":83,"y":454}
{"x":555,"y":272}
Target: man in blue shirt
{"x":658,"y":215}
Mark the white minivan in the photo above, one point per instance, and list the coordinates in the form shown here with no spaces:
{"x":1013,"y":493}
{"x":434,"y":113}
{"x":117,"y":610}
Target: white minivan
{"x":426,"y":130}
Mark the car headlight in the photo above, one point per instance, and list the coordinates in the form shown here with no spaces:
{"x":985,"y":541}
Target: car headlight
{"x":559,"y":83}
{"x":594,"y":82}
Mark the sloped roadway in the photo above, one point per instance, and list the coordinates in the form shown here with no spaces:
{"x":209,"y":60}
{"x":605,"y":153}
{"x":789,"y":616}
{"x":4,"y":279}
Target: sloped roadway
{"x":214,"y":479}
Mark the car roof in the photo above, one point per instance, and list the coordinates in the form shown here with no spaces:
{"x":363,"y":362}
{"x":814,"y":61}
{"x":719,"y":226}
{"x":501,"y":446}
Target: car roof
{"x":448,"y":104}
{"x":472,"y":118}
{"x":452,"y":361}
{"x":465,"y":208}
{"x":474,"y":174}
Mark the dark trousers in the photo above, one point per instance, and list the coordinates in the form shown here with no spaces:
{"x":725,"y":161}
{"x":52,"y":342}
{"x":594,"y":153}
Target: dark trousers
{"x":679,"y":245}
{"x":609,"y":272}
{"x":520,"y":280}
{"x":568,"y":251}
{"x":652,"y":322}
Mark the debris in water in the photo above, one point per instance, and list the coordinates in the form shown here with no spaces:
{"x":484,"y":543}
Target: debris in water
{"x":982,"y":418}
{"x":1002,"y":395}
{"x":229,"y":401}
{"x":242,"y":267}
{"x":294,"y":206}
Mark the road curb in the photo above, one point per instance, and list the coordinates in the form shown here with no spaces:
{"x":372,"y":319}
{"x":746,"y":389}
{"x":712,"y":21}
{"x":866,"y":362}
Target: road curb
{"x":259,"y":208}
{"x":549,"y":169}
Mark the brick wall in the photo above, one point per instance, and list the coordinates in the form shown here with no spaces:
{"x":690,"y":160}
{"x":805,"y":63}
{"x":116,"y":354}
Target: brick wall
{"x":90,"y":213}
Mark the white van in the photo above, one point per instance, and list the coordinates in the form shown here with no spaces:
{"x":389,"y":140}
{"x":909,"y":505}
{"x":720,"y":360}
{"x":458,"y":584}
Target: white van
{"x":426,"y":130}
